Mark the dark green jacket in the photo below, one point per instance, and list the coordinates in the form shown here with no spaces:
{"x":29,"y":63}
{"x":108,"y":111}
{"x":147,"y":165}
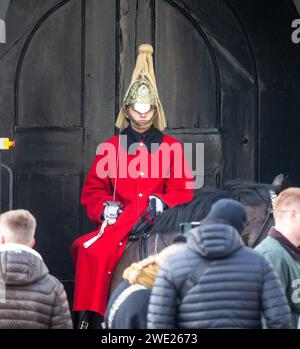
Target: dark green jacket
{"x":288,"y":270}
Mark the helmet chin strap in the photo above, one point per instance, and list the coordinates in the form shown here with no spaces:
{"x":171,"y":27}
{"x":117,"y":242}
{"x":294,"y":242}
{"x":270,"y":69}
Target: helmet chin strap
{"x":139,"y":124}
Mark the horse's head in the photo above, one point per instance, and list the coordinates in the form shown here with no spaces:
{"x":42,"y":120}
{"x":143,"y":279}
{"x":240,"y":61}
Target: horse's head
{"x":256,"y":198}
{"x":259,"y":200}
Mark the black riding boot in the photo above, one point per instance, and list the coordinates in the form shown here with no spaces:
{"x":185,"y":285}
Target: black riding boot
{"x":90,"y":321}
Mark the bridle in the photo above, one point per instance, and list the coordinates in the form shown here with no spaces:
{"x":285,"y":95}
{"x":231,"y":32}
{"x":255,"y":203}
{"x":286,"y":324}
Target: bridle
{"x":269,"y":217}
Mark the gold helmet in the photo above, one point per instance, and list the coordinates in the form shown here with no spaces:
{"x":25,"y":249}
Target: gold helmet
{"x":142,"y":92}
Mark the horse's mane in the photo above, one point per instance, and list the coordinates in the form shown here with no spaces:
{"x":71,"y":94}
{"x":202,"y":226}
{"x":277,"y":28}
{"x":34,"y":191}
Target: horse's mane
{"x":248,"y":193}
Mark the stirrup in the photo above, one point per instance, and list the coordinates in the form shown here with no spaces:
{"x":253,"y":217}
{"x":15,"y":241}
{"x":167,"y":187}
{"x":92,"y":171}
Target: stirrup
{"x":84,"y":325}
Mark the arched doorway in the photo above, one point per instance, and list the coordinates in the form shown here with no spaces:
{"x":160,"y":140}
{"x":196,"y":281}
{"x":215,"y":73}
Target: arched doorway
{"x":66,"y":66}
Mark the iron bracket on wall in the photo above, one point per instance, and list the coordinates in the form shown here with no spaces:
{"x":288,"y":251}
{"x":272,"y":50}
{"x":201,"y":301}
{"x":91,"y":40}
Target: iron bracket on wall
{"x":6,"y":144}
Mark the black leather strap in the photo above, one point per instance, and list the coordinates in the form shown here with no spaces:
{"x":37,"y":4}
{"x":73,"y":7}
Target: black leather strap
{"x":141,"y":225}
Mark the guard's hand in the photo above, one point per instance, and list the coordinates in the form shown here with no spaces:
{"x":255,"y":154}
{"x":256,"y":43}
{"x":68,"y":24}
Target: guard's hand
{"x":159,"y":204}
{"x":111,"y":213}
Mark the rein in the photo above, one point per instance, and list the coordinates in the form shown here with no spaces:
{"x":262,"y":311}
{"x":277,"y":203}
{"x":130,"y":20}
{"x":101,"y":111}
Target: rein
{"x":141,"y":228}
{"x":269,"y":216}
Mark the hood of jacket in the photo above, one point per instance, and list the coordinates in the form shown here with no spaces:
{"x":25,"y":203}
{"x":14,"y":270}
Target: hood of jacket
{"x":214,"y":240}
{"x":20,"y":265}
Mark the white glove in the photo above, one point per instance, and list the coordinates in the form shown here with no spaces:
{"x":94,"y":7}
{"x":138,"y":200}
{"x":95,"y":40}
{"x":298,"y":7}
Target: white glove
{"x":159,"y":204}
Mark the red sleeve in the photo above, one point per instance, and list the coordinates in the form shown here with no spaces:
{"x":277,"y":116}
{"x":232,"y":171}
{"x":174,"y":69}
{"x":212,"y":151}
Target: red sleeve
{"x":95,"y":192}
{"x":178,"y":189}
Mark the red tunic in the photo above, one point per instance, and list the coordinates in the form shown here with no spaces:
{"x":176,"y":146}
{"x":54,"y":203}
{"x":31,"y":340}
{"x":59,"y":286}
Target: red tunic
{"x":96,"y":264}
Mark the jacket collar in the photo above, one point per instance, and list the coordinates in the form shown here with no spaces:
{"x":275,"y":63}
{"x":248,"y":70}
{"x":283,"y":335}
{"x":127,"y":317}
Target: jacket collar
{"x":293,"y":250}
{"x":19,"y":247}
{"x":149,"y":137}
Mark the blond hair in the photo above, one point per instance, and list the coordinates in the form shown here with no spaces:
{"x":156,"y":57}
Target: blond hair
{"x":145,"y":271}
{"x":144,"y":65}
{"x":20,"y":226}
{"x":286,"y":200}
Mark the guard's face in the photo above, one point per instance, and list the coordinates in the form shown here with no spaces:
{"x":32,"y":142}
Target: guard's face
{"x":141,"y":120}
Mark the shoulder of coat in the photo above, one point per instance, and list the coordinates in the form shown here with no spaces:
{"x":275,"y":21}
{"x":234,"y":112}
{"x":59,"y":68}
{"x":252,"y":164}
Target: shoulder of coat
{"x":272,"y":248}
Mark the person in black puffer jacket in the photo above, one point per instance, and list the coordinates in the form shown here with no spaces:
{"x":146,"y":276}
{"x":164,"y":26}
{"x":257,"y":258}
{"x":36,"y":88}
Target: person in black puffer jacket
{"x":235,"y":286}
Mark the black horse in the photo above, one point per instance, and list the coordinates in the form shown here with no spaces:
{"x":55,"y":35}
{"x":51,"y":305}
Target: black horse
{"x":257,"y":199}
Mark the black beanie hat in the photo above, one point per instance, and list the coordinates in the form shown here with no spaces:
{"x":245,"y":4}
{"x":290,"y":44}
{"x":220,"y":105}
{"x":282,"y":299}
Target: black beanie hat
{"x":230,"y":212}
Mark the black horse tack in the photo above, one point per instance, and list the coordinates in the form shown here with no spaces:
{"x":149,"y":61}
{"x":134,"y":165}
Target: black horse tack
{"x":141,"y":230}
{"x":142,"y":225}
{"x":269,"y":218}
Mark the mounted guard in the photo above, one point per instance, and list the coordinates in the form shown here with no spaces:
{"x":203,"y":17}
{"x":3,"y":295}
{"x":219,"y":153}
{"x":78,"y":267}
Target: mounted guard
{"x":136,"y":166}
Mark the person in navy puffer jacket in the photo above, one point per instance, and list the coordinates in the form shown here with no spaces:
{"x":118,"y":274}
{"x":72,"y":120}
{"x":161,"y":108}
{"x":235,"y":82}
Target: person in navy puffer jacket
{"x":234,"y":285}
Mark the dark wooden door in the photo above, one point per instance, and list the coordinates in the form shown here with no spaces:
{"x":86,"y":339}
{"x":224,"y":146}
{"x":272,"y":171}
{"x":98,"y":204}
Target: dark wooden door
{"x":65,"y":68}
